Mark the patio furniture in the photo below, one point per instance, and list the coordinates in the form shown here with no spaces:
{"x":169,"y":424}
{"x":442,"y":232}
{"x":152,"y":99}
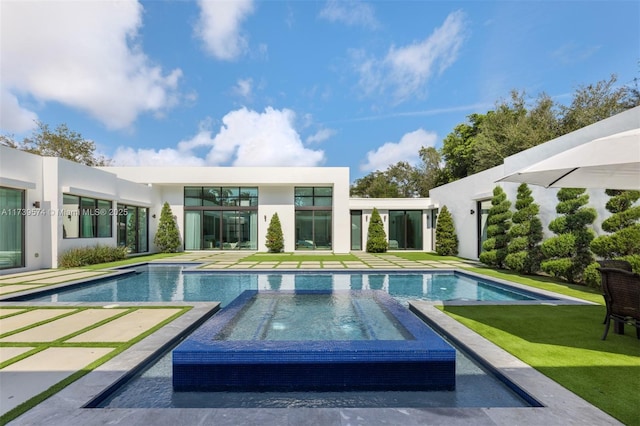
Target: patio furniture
{"x":622,"y":297}
{"x":617,"y":264}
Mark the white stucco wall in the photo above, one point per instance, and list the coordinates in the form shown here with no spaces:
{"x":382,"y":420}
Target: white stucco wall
{"x":21,"y":170}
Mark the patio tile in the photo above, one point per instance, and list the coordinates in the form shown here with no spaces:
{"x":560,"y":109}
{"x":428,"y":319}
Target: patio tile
{"x":29,"y":277}
{"x":18,"y":381}
{"x":127,"y":327}
{"x":9,"y":311}
{"x":5,"y":289}
{"x":6,"y":353}
{"x":70,"y":277}
{"x":56,"y":329}
{"x":30,"y":317}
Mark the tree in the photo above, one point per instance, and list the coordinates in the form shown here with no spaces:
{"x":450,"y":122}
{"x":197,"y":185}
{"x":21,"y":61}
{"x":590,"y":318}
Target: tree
{"x":458,"y":148}
{"x":275,"y":239}
{"x":374,"y":185}
{"x":376,"y":237}
{"x":499,"y":222}
{"x":525,"y":235}
{"x":511,"y":128}
{"x":167,"y":237}
{"x":446,"y":238}
{"x":61,"y":142}
{"x":568,"y":253}
{"x":430,"y":173}
{"x":595,"y":102}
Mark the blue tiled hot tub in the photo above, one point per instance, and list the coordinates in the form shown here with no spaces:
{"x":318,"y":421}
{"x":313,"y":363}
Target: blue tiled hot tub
{"x":313,"y":340}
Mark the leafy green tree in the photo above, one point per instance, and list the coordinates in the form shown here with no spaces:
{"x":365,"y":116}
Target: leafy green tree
{"x":429,"y":173}
{"x":275,"y":239}
{"x":61,"y":142}
{"x":511,"y":128}
{"x":525,"y":234}
{"x":446,"y":237}
{"x":458,"y":148}
{"x":595,"y":102}
{"x":568,"y":253}
{"x":499,"y":222}
{"x":376,"y":237}
{"x":375,"y":185}
{"x":167,"y":237}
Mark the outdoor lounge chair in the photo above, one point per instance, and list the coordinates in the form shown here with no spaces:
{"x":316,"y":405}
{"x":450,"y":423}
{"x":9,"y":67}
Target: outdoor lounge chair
{"x":622,"y":297}
{"x":617,"y":264}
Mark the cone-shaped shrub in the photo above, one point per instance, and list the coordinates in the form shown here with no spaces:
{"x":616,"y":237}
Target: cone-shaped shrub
{"x":167,"y":237}
{"x":499,"y":222}
{"x":525,"y":235}
{"x":624,"y":229}
{"x":376,"y":237}
{"x":568,"y":253}
{"x":446,"y":238}
{"x":275,"y":239}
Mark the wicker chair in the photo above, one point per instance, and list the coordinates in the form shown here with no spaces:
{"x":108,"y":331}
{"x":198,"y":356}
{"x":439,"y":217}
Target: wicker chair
{"x":622,"y":296}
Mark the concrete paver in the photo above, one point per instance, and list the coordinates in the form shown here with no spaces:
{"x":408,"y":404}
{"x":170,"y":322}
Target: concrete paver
{"x":68,"y":277}
{"x":13,"y":288}
{"x":32,"y":276}
{"x":9,"y":311}
{"x":8,"y":352}
{"x":31,"y":317}
{"x":22,"y":380}
{"x":59,"y":328}
{"x":126,"y":327}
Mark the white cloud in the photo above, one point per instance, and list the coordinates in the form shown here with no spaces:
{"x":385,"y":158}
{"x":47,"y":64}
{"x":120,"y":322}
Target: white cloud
{"x":405,"y":71}
{"x":244,"y":88}
{"x":14,"y":118}
{"x":407,"y":149}
{"x":352,"y":13}
{"x":246,"y":138}
{"x":84,"y":55}
{"x":320,"y":136}
{"x":219,"y":27}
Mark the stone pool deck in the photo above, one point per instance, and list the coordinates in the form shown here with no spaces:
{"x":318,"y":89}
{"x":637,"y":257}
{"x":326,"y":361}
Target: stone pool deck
{"x":42,"y":345}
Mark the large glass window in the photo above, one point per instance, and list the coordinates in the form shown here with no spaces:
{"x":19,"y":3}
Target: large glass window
{"x":227,"y":196}
{"x":85,"y":217}
{"x":313,"y":217}
{"x":356,"y":229}
{"x":405,"y":230}
{"x":133,"y":228}
{"x":11,"y":228}
{"x":221,"y":218}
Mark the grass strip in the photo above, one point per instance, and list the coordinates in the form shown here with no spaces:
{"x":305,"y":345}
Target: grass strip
{"x":563,"y":343}
{"x":291,"y":257}
{"x":132,"y":260}
{"x":118,"y":349}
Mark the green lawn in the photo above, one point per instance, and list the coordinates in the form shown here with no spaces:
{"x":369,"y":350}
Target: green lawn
{"x":563,"y":342}
{"x":419,"y":255}
{"x":131,"y":260}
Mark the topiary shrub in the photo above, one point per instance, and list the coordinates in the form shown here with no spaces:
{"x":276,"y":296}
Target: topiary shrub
{"x":568,"y":253}
{"x":446,"y":238}
{"x":376,"y":237}
{"x":82,"y":256}
{"x":524,"y":254}
{"x":167,"y":237}
{"x":624,"y":239}
{"x":499,"y":222}
{"x":275,"y":239}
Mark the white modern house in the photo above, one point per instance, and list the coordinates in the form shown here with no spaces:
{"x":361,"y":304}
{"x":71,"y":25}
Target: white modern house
{"x":49,"y":205}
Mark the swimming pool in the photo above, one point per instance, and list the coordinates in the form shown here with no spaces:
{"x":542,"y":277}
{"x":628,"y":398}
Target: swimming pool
{"x":167,"y":283}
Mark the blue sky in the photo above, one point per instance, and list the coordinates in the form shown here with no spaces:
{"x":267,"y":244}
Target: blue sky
{"x":306,"y":83}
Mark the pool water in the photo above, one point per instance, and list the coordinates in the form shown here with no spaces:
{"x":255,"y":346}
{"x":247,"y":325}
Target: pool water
{"x":325,"y":316}
{"x":167,"y":283}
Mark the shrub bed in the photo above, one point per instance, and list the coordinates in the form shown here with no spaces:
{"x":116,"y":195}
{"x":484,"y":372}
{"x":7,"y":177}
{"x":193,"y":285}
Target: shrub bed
{"x":82,"y":256}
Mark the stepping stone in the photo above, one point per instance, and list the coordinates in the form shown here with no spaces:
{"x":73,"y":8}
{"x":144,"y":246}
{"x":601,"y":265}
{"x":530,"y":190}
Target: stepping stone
{"x":6,"y":289}
{"x":9,"y":311}
{"x":56,"y":329}
{"x":35,"y":276}
{"x":127,"y":327}
{"x":6,"y":353}
{"x":63,"y":278}
{"x":30,"y":317}
{"x":18,"y":383}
